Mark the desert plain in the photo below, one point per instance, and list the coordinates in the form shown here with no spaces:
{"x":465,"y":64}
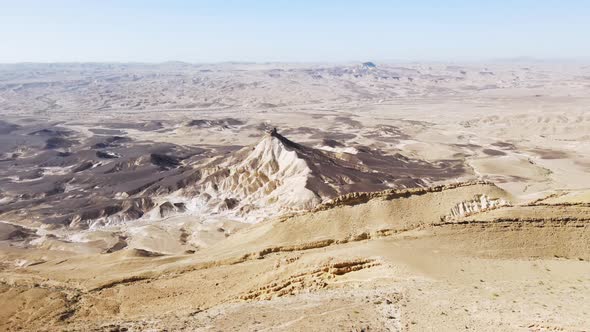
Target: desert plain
{"x":295,"y":197}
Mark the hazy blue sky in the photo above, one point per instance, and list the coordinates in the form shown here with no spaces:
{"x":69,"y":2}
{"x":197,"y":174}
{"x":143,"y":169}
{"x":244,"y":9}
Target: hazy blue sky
{"x":304,"y":30}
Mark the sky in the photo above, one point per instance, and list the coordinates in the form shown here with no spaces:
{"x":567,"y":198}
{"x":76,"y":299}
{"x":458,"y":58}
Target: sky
{"x":291,"y":31}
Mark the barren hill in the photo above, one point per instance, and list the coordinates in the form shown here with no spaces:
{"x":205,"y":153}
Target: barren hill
{"x":133,"y":180}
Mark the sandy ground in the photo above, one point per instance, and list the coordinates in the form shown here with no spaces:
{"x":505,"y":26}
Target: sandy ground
{"x":381,"y":265}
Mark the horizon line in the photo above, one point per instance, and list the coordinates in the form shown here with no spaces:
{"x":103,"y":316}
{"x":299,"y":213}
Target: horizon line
{"x":264,"y":62}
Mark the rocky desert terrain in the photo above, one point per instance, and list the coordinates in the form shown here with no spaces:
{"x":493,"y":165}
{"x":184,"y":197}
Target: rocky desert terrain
{"x":295,"y":197}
